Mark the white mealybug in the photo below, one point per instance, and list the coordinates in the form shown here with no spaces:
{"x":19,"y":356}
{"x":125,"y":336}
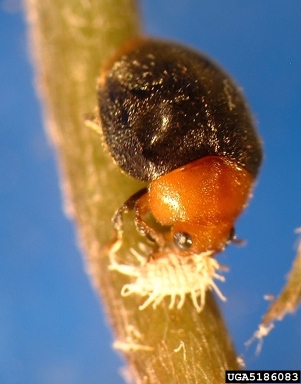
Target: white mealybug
{"x":172,"y":276}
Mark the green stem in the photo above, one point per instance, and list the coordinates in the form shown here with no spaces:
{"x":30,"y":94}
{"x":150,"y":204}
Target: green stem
{"x":71,"y":40}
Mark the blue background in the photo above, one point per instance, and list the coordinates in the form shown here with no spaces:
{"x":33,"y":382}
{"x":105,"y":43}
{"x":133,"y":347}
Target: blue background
{"x":52,"y":328}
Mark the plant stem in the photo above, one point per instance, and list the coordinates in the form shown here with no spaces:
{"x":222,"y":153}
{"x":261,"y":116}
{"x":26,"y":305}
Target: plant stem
{"x":70,"y":42}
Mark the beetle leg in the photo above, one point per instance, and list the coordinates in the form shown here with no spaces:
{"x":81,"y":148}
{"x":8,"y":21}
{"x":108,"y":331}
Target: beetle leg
{"x":117,"y":219}
{"x":127,"y":206}
{"x":233,"y":238}
{"x":138,"y":202}
{"x":141,"y":209}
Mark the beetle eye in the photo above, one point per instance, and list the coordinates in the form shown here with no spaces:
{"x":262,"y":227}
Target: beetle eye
{"x":182,"y":240}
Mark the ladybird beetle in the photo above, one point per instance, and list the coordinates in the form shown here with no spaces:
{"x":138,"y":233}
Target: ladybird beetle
{"x":172,"y":117}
